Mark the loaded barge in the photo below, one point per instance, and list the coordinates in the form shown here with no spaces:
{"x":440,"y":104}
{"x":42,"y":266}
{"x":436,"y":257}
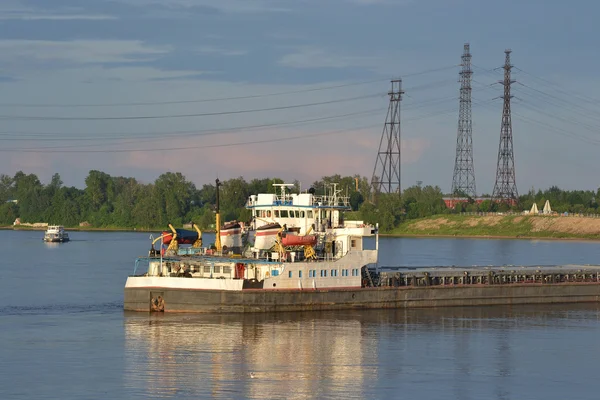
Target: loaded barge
{"x":299,"y":254}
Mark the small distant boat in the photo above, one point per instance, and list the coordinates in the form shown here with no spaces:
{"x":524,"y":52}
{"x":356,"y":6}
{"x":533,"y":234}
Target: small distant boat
{"x":56,"y":234}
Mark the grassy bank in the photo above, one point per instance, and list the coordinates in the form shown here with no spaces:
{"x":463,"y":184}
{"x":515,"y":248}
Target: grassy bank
{"x":508,"y":226}
{"x":83,"y":229}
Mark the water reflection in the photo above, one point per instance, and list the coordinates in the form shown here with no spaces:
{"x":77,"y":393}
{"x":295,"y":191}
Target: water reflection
{"x":462,"y":352}
{"x":257,"y":356}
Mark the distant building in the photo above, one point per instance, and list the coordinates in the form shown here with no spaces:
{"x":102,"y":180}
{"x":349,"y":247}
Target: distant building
{"x":451,"y":202}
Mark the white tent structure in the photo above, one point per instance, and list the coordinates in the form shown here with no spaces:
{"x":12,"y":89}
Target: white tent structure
{"x":547,"y":209}
{"x":534,"y":209}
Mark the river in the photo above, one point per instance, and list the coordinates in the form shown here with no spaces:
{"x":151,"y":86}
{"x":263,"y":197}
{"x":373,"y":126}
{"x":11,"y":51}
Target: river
{"x":64,"y":335}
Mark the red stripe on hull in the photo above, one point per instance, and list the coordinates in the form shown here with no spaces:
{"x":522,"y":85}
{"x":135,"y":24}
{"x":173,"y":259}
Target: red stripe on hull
{"x":267,"y":233}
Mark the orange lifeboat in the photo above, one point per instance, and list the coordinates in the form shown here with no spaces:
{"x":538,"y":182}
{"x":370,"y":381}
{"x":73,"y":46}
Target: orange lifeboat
{"x":288,"y":239}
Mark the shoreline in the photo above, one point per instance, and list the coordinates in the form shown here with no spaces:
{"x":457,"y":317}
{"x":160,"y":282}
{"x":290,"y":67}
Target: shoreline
{"x":393,"y":235}
{"x":468,"y":236}
{"x":88,"y":229}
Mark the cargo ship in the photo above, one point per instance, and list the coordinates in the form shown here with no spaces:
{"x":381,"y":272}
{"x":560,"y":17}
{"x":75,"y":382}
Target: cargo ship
{"x":298,"y":253}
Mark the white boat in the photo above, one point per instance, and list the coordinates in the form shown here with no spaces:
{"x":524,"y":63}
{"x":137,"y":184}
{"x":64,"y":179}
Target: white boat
{"x":265,"y":277}
{"x":56,"y":233}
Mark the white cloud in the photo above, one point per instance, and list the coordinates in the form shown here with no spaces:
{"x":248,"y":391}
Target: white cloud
{"x":16,"y":10}
{"x":36,"y":16}
{"x":219,"y":51}
{"x":315,"y":57}
{"x":81,"y":51}
{"x":230,"y":6}
{"x":381,"y":2}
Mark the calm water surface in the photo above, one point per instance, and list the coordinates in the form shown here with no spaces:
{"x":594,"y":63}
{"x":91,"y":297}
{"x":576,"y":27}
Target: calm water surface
{"x":63,"y":334}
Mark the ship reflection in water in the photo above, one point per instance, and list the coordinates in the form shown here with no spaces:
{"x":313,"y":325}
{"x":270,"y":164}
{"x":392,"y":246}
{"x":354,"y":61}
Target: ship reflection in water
{"x":479,"y":352}
{"x":255,"y":356}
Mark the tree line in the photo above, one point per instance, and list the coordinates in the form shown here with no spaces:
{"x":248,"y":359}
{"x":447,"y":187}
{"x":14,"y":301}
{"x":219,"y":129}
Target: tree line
{"x":124,"y":202}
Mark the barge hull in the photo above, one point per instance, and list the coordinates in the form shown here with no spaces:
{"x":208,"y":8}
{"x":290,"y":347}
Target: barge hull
{"x":245,"y":301}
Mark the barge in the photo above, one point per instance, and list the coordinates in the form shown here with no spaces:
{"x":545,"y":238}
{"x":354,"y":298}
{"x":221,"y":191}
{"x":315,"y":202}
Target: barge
{"x":299,"y":254}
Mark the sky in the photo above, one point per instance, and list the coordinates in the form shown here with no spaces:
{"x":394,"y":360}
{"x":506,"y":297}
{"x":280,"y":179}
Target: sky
{"x":295,"y":89}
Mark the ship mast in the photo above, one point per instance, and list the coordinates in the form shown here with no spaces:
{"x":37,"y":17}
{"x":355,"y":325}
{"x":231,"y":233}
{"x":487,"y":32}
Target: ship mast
{"x":218,"y":220}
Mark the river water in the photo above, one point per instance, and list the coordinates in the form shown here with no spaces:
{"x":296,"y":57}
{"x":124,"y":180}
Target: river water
{"x":64,"y":335}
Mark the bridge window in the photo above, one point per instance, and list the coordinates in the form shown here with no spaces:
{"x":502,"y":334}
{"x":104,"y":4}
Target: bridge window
{"x":299,"y":274}
{"x":301,"y":213}
{"x":284,"y":213}
{"x":309,"y":214}
{"x":276,"y":213}
{"x":290,"y":274}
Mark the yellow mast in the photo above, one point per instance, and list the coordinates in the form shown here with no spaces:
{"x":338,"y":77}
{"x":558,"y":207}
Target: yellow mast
{"x":218,"y":221}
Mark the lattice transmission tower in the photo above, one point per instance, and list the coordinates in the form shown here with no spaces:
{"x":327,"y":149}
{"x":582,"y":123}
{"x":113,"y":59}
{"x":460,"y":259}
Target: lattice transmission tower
{"x":386,"y":174}
{"x":463,"y":180}
{"x":505,"y":188}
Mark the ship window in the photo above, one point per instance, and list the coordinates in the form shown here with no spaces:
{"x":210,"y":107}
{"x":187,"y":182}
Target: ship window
{"x":299,"y":274}
{"x":333,"y":272}
{"x":284,"y":213}
{"x":301,"y":213}
{"x":226,"y":270}
{"x":276,"y":213}
{"x":309,"y":213}
{"x":292,"y":214}
{"x":217,"y":269}
{"x":353,"y":243}
{"x":268,"y":213}
{"x":290,"y":274}
{"x":207,"y":269}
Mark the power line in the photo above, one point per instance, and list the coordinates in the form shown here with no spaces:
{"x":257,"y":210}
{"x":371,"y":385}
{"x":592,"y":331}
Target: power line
{"x":29,"y":150}
{"x":256,"y":96}
{"x":171,"y":134}
{"x":132,"y":117}
{"x":152,"y":140}
{"x":558,"y":88}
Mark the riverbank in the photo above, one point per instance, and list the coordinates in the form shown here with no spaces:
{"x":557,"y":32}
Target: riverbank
{"x":89,"y":229}
{"x":501,"y":226}
{"x":81,"y":229}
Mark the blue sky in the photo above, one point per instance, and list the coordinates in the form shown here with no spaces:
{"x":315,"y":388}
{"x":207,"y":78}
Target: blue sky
{"x":112,"y":53}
